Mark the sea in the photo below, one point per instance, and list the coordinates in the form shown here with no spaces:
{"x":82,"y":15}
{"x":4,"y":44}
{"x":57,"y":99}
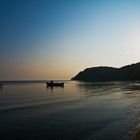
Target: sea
{"x":77,"y":111}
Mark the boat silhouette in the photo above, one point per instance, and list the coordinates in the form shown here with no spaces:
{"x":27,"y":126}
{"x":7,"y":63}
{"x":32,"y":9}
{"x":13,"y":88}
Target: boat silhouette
{"x":52,"y":84}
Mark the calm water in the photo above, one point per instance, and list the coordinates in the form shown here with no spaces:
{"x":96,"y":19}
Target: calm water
{"x":79,"y":111}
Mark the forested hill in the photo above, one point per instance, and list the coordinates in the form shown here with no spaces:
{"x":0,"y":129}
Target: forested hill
{"x":96,"y":74}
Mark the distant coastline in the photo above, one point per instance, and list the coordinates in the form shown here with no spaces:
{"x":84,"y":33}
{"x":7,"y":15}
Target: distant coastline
{"x":105,"y":73}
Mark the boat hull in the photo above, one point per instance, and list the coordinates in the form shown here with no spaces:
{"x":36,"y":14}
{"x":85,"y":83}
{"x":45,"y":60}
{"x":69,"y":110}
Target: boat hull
{"x":55,"y":84}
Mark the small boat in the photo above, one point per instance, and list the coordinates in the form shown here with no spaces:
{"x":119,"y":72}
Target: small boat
{"x":52,"y":84}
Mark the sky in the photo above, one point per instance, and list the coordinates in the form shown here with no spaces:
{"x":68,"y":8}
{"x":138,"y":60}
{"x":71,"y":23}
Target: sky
{"x":55,"y":39}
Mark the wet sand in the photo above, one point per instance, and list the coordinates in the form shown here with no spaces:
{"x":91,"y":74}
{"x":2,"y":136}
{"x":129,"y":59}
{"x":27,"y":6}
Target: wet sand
{"x":136,"y":134}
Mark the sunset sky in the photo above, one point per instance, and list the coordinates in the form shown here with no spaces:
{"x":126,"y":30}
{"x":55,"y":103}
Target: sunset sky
{"x":55,"y":39}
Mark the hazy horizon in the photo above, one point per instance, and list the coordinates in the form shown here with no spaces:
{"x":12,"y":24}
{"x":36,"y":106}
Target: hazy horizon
{"x":51,"y":39}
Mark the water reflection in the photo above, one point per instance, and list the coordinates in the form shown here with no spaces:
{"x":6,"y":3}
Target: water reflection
{"x":109,"y":85}
{"x":108,"y":88}
{"x":99,"y":87}
{"x":52,"y":87}
{"x":96,"y":86}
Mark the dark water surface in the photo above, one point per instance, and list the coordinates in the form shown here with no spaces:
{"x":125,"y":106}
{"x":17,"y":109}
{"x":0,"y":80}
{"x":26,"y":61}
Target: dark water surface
{"x":79,"y":111}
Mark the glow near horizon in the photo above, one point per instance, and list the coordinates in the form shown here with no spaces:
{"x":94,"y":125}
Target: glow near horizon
{"x":56,"y":40}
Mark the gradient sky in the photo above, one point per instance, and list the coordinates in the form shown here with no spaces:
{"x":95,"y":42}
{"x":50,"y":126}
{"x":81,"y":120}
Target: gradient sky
{"x":55,"y":39}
